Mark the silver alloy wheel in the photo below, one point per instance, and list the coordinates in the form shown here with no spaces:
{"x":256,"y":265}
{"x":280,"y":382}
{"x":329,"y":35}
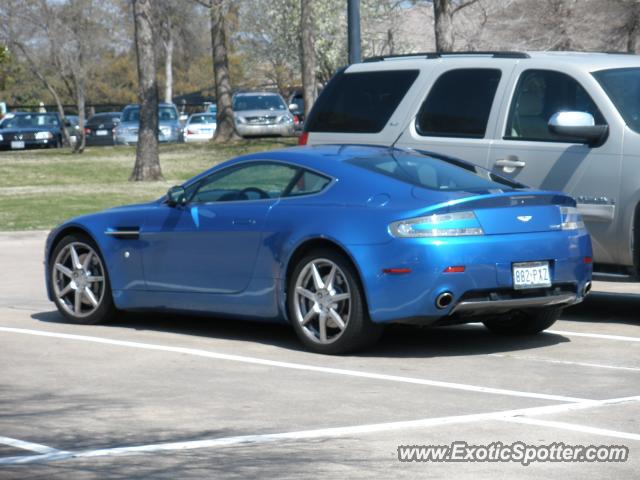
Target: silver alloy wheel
{"x":322,"y":301}
{"x":78,"y":279}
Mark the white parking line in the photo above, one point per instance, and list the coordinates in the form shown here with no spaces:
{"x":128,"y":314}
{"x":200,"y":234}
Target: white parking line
{"x":21,"y":444}
{"x":573,"y":427}
{"x":296,"y":366}
{"x":318,"y":433}
{"x":563,"y":362}
{"x":601,"y":336}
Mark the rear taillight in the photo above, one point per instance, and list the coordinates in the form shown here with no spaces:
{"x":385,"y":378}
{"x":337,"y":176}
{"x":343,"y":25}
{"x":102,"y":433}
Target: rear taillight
{"x":302,"y":140}
{"x":296,"y":120}
{"x":456,"y":224}
{"x":87,"y":131}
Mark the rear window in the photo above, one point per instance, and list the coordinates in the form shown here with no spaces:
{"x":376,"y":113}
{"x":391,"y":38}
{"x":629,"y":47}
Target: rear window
{"x":459,"y":104}
{"x":433,"y":173}
{"x":360,"y":102}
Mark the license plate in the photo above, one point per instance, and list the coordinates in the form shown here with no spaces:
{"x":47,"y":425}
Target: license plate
{"x":531,"y":275}
{"x":102,"y":133}
{"x":17,"y":144}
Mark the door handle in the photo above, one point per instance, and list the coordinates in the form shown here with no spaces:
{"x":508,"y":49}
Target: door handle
{"x":510,"y":163}
{"x":243,"y":221}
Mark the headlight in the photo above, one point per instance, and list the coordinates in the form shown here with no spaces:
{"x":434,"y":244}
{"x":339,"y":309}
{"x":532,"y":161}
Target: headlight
{"x":285,"y":119}
{"x":571,"y":218}
{"x":240,"y":120}
{"x":44,"y":135}
{"x":1,"y":137}
{"x":445,"y":225}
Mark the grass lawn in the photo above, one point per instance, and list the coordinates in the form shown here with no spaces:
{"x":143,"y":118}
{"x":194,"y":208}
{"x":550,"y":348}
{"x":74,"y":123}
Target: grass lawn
{"x":41,"y":188}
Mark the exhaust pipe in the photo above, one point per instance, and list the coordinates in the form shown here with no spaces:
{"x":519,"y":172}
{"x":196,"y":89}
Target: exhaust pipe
{"x":586,"y":289}
{"x":444,"y":300}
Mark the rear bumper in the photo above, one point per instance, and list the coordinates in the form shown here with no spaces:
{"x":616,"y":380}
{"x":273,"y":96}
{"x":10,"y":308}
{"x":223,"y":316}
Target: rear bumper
{"x":485,"y":286}
{"x":256,"y":130}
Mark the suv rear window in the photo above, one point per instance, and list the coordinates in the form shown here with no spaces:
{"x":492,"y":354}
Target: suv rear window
{"x":459,"y":104}
{"x":360,"y":102}
{"x":433,"y":172}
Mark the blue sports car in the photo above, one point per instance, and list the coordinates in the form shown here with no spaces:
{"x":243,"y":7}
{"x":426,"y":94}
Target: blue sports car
{"x":337,"y":241}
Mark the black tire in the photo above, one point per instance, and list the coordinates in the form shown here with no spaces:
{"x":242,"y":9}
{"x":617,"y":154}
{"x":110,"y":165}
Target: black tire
{"x":359,"y":331}
{"x":106,"y":309}
{"x":526,"y":322}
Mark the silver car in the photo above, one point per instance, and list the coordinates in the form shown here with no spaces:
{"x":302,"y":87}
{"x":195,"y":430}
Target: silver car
{"x":169,"y":128}
{"x":262,"y":113}
{"x":555,"y":120}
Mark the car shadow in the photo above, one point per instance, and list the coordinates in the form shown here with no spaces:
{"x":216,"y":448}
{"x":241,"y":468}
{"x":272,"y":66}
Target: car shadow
{"x":603,"y":307}
{"x":398,"y":341}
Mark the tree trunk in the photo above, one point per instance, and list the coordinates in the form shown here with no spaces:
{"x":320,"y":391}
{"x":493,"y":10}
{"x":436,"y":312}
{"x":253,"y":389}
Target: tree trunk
{"x":147,"y":165}
{"x":168,"y":67}
{"x":226,"y":129}
{"x":309,"y":83}
{"x":80,"y":102}
{"x":443,"y":25}
{"x":633,"y":28}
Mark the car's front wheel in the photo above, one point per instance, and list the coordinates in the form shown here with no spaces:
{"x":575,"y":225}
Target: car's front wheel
{"x":327,"y":306}
{"x":80,"y":282}
{"x":526,"y":322}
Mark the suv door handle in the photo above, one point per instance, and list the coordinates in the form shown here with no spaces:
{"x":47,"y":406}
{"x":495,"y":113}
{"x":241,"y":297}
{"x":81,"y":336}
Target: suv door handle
{"x":512,"y":162}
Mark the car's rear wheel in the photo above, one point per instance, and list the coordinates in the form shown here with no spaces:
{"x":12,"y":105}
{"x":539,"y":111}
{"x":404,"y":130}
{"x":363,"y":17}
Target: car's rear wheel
{"x":525,"y":322}
{"x":327,"y":305}
{"x":80,"y":281}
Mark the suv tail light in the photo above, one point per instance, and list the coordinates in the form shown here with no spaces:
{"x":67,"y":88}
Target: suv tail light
{"x":302,"y":140}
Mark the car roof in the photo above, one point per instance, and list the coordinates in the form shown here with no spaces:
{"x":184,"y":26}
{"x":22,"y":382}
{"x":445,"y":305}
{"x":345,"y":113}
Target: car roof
{"x":247,"y":94}
{"x":588,"y":61}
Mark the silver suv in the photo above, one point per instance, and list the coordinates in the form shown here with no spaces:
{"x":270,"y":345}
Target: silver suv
{"x":261,"y":113}
{"x":556,"y":121}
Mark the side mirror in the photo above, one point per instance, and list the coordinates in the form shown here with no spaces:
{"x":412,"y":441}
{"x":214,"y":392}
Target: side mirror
{"x":176,"y":196}
{"x":578,"y":126}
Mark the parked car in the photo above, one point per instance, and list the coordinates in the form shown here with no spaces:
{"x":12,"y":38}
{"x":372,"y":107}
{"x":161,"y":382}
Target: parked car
{"x":200,"y":127}
{"x":554,"y":120}
{"x":22,"y":130}
{"x":296,"y":106}
{"x":338,"y":240}
{"x":169,"y":128}
{"x":261,"y":113}
{"x":101,"y":128}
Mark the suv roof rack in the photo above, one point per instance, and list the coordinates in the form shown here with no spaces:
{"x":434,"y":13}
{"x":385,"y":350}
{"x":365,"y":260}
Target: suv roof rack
{"x":432,"y":55}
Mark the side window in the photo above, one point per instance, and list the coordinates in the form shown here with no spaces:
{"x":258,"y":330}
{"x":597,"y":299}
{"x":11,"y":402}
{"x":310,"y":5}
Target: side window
{"x":360,"y":102}
{"x":249,"y":182}
{"x":459,"y":104}
{"x":308,"y":183}
{"x":540,"y":94}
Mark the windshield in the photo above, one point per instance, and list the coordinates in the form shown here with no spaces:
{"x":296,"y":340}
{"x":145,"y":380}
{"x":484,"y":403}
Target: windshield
{"x":32,"y":120}
{"x":258,"y":102}
{"x":165,"y":113}
{"x":433,"y":173}
{"x":202,"y":119}
{"x":623,"y":87}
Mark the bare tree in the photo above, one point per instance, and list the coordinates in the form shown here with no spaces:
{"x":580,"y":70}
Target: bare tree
{"x":225,"y":130}
{"x":308,"y":57}
{"x":443,"y":12}
{"x":147,"y":166}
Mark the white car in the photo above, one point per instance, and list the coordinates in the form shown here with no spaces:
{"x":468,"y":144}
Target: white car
{"x":200,"y":127}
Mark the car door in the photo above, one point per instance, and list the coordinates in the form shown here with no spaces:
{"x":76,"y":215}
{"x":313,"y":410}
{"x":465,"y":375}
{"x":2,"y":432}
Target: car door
{"x":526,"y":150}
{"x":209,"y":244}
{"x":459,"y":111}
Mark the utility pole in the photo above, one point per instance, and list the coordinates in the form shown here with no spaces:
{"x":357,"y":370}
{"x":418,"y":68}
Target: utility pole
{"x":353,"y":25}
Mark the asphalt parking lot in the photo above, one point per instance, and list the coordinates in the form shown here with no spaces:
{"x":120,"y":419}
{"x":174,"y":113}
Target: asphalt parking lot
{"x":168,"y":396}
